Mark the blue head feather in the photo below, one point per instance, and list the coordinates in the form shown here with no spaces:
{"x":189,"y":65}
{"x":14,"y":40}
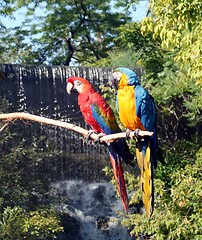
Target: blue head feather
{"x":132,"y":76}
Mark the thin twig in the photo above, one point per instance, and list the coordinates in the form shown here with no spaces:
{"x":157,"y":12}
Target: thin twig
{"x":4,"y":126}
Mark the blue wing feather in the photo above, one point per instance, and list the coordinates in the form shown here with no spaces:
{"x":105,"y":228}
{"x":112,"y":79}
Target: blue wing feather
{"x":145,"y":108}
{"x":101,"y":119}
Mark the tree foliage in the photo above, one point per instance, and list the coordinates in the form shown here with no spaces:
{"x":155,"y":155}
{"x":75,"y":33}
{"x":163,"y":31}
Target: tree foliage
{"x":148,"y":52}
{"x":66,"y":31}
{"x":179,"y":26}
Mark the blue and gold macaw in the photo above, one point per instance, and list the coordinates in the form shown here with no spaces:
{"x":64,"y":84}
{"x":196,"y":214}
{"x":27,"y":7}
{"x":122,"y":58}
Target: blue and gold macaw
{"x":137,"y":112}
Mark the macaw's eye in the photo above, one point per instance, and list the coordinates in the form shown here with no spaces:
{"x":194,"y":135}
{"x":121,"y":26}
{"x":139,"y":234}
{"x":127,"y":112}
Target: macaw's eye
{"x":77,"y":83}
{"x":77,"y":86}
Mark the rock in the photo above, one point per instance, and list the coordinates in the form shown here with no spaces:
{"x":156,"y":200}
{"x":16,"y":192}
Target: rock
{"x":103,"y":223}
{"x":71,"y":228}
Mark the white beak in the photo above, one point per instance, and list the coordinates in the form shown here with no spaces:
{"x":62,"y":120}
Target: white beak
{"x":69,"y":87}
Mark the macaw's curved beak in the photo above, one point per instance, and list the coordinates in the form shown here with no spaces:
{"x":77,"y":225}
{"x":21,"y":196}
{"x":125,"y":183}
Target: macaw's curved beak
{"x":69,"y":87}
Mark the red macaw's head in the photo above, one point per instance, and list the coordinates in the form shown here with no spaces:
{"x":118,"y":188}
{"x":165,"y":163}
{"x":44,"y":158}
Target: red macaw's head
{"x":77,"y":84}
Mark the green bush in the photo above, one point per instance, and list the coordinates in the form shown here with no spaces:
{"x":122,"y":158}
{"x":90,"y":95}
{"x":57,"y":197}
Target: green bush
{"x":177,"y":212}
{"x":25,"y":210}
{"x":15,"y":223}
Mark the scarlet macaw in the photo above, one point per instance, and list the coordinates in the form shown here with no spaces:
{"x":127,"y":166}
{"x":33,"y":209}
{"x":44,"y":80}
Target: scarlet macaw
{"x":137,"y":112}
{"x":98,"y":114}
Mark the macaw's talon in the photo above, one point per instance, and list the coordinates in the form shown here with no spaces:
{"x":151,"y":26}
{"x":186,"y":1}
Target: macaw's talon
{"x":87,"y":138}
{"x":98,"y":138}
{"x":136,"y":133}
{"x":128,"y":131}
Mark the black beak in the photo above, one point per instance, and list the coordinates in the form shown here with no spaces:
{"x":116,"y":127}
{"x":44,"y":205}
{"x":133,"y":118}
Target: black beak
{"x":70,"y":88}
{"x":113,"y":82}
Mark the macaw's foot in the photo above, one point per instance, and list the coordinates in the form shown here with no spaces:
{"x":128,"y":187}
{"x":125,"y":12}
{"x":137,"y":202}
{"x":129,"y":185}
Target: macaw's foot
{"x":128,"y":131}
{"x":98,"y":138}
{"x":87,"y":138}
{"x":137,"y":134}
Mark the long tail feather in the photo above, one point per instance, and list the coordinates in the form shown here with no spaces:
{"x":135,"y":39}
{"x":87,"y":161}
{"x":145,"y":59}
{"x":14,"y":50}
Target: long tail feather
{"x":146,"y":179}
{"x":122,"y":149}
{"x":120,"y":182}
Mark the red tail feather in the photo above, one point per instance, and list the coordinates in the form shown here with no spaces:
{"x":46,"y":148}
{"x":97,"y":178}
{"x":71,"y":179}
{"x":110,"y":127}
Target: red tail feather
{"x":120,"y":182}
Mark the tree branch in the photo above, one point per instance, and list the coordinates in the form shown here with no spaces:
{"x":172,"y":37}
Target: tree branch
{"x":8,"y":117}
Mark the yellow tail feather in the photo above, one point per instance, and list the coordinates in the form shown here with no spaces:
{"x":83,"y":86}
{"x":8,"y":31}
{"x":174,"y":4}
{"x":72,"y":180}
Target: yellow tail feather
{"x":146,"y":178}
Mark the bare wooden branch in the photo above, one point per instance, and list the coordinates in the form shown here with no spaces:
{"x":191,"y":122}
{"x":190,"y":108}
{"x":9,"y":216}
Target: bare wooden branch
{"x":8,"y":117}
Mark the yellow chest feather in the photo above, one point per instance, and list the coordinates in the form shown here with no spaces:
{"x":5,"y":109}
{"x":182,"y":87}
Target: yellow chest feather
{"x":127,"y":108}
